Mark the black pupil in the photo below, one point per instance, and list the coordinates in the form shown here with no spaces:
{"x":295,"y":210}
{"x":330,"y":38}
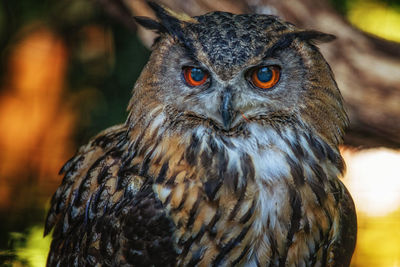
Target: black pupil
{"x":264,"y":74}
{"x":197,"y":74}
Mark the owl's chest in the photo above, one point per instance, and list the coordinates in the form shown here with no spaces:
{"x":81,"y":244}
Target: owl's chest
{"x":237,"y":202}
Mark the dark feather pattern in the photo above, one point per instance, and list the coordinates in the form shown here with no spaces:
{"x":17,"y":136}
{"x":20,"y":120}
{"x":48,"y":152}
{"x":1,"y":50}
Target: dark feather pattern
{"x":99,"y":221}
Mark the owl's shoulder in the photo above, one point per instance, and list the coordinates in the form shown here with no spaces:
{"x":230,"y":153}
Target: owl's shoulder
{"x":103,"y":208}
{"x":87,"y":167}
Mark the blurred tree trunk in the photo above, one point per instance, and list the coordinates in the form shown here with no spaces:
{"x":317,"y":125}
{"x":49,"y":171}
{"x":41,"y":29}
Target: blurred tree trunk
{"x":367,"y":68}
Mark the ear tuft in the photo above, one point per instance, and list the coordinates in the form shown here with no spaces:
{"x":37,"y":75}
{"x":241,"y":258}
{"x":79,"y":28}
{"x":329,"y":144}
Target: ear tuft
{"x":171,"y":22}
{"x":315,"y":36}
{"x":150,"y":24}
{"x":163,"y":12}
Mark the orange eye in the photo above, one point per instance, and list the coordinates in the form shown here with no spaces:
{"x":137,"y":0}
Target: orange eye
{"x":265,"y":77}
{"x":194,"y":76}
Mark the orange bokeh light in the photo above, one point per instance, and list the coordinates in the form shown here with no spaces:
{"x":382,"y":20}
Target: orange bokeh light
{"x":35,"y":121}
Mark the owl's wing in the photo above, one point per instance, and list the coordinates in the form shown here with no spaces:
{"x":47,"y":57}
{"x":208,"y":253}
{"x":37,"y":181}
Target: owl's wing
{"x":342,"y":247}
{"x":104,"y":212}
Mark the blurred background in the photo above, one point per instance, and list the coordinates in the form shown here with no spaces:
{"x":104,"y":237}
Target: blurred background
{"x":67,"y":68}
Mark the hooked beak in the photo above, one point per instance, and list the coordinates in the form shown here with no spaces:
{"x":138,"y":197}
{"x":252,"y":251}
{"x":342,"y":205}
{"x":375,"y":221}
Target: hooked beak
{"x":226,"y":109}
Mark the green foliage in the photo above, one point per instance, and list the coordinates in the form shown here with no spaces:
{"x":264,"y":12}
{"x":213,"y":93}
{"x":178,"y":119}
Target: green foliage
{"x":341,"y":5}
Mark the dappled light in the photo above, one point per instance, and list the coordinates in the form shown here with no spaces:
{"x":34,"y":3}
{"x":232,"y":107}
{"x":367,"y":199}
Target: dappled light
{"x":373,"y":180}
{"x":378,"y":240}
{"x":377,"y":18}
{"x":31,"y":248}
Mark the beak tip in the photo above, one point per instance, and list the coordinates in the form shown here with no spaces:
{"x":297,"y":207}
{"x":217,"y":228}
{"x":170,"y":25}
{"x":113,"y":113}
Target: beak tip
{"x":226,"y":119}
{"x":226,"y":127}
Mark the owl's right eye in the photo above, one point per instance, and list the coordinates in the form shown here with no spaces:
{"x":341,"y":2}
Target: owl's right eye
{"x":194,"y":76}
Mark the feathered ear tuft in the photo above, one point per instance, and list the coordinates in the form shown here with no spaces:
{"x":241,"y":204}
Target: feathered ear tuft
{"x":315,"y":37}
{"x":172,"y":22}
{"x":150,"y":24}
{"x":169,"y":22}
{"x":165,"y":14}
{"x":312,"y":37}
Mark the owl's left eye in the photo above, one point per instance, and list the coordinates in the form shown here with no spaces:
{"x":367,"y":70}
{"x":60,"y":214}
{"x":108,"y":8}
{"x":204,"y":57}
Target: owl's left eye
{"x":194,"y":76}
{"x":265,"y":77}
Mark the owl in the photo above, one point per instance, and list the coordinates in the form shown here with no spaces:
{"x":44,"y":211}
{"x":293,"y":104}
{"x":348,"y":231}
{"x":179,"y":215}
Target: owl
{"x":229,"y":156}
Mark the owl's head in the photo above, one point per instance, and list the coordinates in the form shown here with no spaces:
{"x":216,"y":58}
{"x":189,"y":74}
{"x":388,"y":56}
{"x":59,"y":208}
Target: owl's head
{"x":227,"y":71}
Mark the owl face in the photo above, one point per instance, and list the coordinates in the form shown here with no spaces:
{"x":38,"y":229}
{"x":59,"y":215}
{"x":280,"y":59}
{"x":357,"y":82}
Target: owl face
{"x":228,"y":71}
{"x":236,"y":95}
